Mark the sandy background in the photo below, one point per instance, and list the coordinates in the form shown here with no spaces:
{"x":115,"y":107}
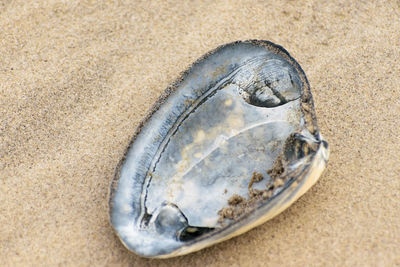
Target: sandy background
{"x":76,"y":77}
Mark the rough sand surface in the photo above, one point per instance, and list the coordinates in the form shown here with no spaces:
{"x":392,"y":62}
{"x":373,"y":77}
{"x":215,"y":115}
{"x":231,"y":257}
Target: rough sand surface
{"x":76,"y":77}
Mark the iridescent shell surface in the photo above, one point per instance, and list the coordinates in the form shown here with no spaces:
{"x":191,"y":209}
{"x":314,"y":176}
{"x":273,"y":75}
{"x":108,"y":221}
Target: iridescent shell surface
{"x":187,"y":180}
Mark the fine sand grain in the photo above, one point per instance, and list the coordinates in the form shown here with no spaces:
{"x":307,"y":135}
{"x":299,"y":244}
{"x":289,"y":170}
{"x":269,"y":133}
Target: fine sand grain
{"x":76,"y":77}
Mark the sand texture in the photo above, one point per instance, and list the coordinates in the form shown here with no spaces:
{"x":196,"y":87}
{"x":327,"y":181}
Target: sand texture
{"x":76,"y":78}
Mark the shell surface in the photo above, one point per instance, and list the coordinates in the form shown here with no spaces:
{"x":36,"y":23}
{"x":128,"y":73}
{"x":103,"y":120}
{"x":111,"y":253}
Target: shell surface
{"x":228,"y":146}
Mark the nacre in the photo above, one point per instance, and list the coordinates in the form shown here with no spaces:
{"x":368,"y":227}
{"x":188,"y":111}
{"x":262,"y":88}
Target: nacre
{"x":232,"y":143}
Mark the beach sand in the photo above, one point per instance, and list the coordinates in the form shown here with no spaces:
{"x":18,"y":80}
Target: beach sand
{"x":76,"y":78}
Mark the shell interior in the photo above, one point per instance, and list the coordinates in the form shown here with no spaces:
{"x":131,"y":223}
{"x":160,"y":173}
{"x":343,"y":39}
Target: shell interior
{"x":243,"y":109}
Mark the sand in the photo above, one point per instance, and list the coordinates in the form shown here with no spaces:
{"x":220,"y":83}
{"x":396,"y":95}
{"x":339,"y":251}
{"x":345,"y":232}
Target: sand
{"x":76,"y":77}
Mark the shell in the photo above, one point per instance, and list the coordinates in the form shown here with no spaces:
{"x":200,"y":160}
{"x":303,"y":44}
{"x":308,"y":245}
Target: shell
{"x":232,"y":143}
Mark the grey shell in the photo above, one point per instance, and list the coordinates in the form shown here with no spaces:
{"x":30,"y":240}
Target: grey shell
{"x":236,"y":111}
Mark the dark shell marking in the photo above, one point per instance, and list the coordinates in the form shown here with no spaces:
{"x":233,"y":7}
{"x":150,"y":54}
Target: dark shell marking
{"x":234,"y":112}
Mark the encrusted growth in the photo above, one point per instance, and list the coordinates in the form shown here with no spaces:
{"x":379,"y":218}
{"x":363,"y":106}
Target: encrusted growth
{"x":238,"y":205}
